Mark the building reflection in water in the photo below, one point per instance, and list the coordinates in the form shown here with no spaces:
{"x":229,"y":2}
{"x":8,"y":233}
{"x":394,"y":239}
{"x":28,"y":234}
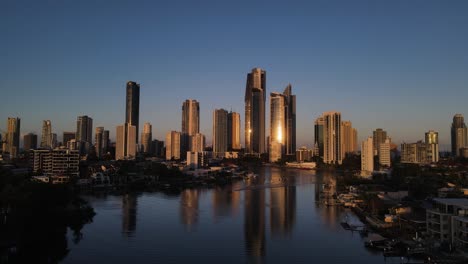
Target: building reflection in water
{"x":254,"y":217}
{"x":325,"y":188}
{"x":129,"y":214}
{"x":226,"y":200}
{"x":189,"y":208}
{"x":282,"y":203}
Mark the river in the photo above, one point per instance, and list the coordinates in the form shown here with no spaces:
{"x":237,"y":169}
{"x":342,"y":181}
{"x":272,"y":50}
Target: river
{"x":274,"y":218}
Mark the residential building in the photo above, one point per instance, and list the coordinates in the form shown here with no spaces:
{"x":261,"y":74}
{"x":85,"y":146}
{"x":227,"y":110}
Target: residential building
{"x":384,"y":153}
{"x":57,"y":162}
{"x":67,"y":136}
{"x":447,"y":221}
{"x":414,"y":152}
{"x":126,"y":146}
{"x":105,"y":142}
{"x":332,"y":138}
{"x":173,"y":145}
{"x":234,"y":127}
{"x":220,"y":133}
{"x":30,"y":141}
{"x":147,"y":138}
{"x":349,"y":135}
{"x":255,"y":96}
{"x":84,"y":133}
{"x":98,"y":141}
{"x":290,"y":120}
{"x":195,"y":159}
{"x":458,"y":134}
{"x":157,"y":147}
{"x":132,"y":107}
{"x":197,"y":143}
{"x":367,"y":156}
{"x":318,"y":136}
{"x":46,"y":137}
{"x":190,"y":122}
{"x":13,"y":137}
{"x":432,"y":142}
{"x":277,"y":137}
{"x":304,"y":154}
{"x":379,"y":136}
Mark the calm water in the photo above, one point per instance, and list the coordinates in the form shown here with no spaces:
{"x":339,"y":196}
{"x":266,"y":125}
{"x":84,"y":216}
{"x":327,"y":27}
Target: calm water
{"x":273,"y":219}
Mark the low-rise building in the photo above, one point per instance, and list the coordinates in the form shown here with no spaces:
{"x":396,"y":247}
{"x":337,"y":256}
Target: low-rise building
{"x":447,"y":221}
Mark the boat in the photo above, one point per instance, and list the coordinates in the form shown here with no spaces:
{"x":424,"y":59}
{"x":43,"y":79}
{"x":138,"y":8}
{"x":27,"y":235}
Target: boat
{"x":302,"y":165}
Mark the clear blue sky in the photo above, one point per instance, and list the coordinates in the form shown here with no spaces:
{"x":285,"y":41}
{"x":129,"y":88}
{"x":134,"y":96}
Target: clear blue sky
{"x":399,"y":65}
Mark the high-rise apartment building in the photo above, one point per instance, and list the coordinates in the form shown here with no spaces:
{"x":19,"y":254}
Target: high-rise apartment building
{"x":278,"y":133}
{"x":132,"y":106}
{"x":233,"y":129}
{"x":105,"y":142}
{"x":318,"y":136}
{"x":379,"y":137}
{"x":432,"y":142}
{"x":332,"y":138}
{"x":30,"y":141}
{"x":197,"y":143}
{"x":458,"y":134}
{"x":349,"y":135}
{"x":414,"y":152}
{"x":54,"y":141}
{"x":220,"y":132}
{"x":84,"y":133}
{"x":173,"y":145}
{"x":290,"y":120}
{"x":367,"y":156}
{"x":46,"y":137}
{"x":57,"y":162}
{"x":98,"y":142}
{"x":125,"y":145}
{"x":190,"y":122}
{"x":384,"y":153}
{"x":67,"y":136}
{"x":13,"y":136}
{"x":147,"y":138}
{"x":255,"y":96}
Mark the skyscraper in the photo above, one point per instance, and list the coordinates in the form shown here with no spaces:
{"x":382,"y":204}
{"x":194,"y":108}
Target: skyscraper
{"x":332,"y":138}
{"x":147,"y":137}
{"x":458,"y":134}
{"x":197,"y":143}
{"x":132,"y":107}
{"x":348,"y":137}
{"x":367,"y":156}
{"x":105,"y":142}
{"x":67,"y":136}
{"x":278,"y":133}
{"x":190,"y":122}
{"x":84,"y":133}
{"x":255,"y":95}
{"x":220,"y":132}
{"x":30,"y":141}
{"x":290,"y":119}
{"x":318,"y":135}
{"x":384,"y":153}
{"x":12,"y":136}
{"x":46,"y":137}
{"x":432,"y":142}
{"x":379,"y":136}
{"x":125,"y":146}
{"x":233,"y":131}
{"x":173,"y":145}
{"x":99,"y":141}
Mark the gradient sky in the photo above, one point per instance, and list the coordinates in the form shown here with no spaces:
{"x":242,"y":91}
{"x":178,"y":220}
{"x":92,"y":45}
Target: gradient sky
{"x":399,"y":65}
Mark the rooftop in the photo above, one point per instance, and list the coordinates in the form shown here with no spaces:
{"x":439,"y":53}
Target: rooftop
{"x":460,"y":202}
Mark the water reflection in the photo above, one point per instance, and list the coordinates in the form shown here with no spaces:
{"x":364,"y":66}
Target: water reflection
{"x":254,"y":217}
{"x":189,"y":208}
{"x":129,"y":214}
{"x":282,"y":203}
{"x":226,"y":200}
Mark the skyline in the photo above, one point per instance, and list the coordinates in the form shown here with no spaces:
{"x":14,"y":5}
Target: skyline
{"x":397,"y":66}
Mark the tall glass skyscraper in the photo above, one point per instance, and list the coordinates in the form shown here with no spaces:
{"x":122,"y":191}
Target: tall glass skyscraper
{"x":132,"y":109}
{"x":255,"y":95}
